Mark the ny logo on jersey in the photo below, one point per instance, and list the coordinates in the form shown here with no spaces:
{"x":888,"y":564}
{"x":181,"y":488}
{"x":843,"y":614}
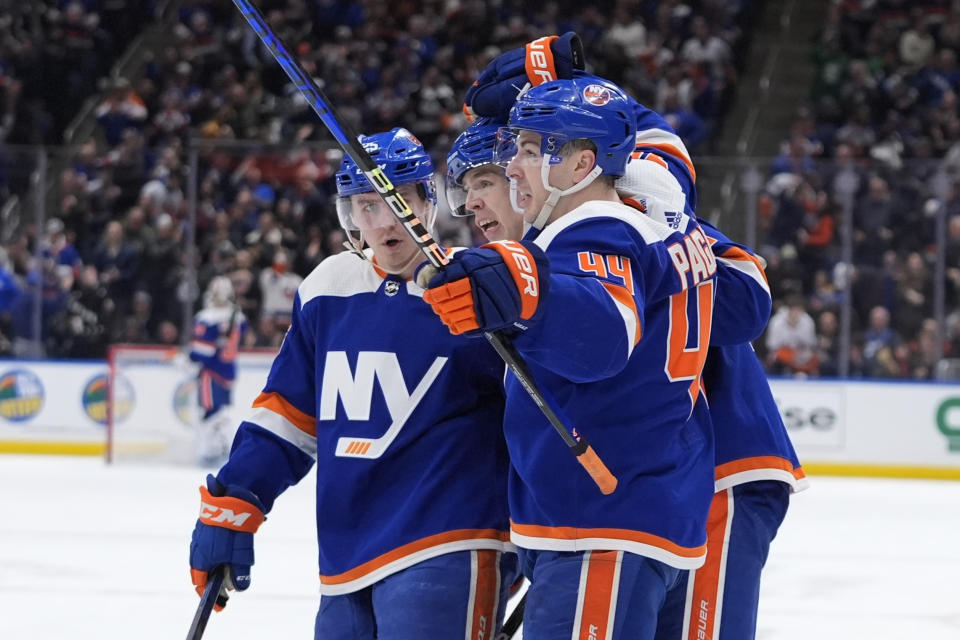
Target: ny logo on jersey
{"x":355,"y":392}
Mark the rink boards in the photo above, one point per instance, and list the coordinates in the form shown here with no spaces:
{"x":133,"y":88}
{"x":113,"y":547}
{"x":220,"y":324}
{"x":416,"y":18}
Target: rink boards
{"x":897,"y":429}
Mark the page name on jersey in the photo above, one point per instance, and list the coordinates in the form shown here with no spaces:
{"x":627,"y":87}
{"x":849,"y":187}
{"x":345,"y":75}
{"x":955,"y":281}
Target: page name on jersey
{"x":356,"y":394}
{"x":693,"y":257}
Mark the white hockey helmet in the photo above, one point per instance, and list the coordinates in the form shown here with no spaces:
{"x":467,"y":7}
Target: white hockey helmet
{"x":219,"y":293}
{"x":651,"y":185}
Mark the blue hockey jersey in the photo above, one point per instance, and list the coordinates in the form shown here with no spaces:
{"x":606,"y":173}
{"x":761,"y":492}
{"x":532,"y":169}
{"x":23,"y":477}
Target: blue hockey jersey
{"x":402,"y":419}
{"x":217,"y":334}
{"x":620,"y":351}
{"x":751,"y":440}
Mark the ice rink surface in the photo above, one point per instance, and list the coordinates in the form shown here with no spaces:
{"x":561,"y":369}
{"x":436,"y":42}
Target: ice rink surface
{"x":91,"y":551}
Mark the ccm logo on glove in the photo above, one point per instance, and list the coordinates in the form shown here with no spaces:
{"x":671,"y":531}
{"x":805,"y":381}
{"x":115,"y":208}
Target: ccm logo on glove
{"x":229,"y":513}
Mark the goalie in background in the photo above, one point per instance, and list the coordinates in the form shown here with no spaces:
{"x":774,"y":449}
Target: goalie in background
{"x":218,"y":331}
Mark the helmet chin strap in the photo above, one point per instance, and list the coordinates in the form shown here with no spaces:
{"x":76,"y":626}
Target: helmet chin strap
{"x":513,"y":198}
{"x":555,"y":194}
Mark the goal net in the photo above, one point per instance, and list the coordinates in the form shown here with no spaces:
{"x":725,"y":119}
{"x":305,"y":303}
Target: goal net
{"x":152,"y":409}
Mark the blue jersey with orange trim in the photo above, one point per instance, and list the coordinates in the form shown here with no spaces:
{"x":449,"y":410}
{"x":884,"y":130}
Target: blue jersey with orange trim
{"x":217,"y":333}
{"x":743,"y":303}
{"x":619,"y":350}
{"x":751,"y":440}
{"x":402,"y":419}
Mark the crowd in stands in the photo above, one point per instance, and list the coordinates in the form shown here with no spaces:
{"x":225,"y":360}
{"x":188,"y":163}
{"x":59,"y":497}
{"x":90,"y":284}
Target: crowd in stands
{"x":113,"y":264}
{"x":880,"y":141}
{"x":113,"y":258}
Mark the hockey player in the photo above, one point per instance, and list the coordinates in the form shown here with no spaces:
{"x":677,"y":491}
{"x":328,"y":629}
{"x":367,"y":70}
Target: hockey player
{"x":403,"y":421}
{"x":218,"y":330}
{"x":477,"y":187}
{"x":588,"y":280}
{"x":756,"y":465}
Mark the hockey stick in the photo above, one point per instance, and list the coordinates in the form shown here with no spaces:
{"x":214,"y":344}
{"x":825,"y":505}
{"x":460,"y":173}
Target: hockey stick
{"x":350,"y":144}
{"x":211,"y":596}
{"x":514,"y":621}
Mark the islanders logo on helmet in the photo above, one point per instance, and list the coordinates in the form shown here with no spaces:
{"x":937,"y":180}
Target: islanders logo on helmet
{"x":21,"y":395}
{"x":597,"y":94}
{"x":585,"y":107}
{"x":398,"y":152}
{"x":94,"y":398}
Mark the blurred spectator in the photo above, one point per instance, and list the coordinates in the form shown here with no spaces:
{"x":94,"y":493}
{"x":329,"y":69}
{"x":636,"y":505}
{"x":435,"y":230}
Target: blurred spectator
{"x":792,"y":341}
{"x":121,"y":109}
{"x":879,"y":343}
{"x":278,"y":287}
{"x":828,"y":344}
{"x":704,"y":47}
{"x":245,"y":286}
{"x":873,"y":219}
{"x":268,"y":334}
{"x":118,"y":264}
{"x":9,"y":292}
{"x":917,"y":44}
{"x":57,"y":248}
{"x":914,"y":295}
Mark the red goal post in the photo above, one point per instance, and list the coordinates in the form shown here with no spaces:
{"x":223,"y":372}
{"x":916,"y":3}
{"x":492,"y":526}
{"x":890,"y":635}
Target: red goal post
{"x":152,"y":400}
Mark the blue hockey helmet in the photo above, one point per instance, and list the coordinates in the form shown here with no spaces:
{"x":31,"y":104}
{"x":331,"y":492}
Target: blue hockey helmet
{"x":473,"y":148}
{"x":583,"y":107}
{"x":404,"y":161}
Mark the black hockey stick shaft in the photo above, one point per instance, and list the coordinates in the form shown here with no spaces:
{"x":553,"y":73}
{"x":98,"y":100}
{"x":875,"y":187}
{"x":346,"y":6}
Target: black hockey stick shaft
{"x":211,"y":595}
{"x":350,"y":144}
{"x":514,"y":620}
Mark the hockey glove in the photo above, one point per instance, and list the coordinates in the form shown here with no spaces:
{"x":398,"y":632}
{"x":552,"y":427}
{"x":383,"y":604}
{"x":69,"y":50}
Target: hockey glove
{"x":498,"y":285}
{"x":223,"y":535}
{"x":542,"y":60}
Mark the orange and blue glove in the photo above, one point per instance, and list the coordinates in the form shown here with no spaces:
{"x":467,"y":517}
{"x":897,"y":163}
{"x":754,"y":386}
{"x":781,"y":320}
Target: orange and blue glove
{"x":541,"y":60}
{"x":497,"y":286}
{"x":223,"y":536}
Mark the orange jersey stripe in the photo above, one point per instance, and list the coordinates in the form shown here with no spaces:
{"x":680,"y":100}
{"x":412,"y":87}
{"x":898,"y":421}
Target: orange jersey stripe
{"x":413,"y":547}
{"x":486,"y":594}
{"x":674,"y":151}
{"x":758,"y":462}
{"x":623,"y":296}
{"x":281,"y":406}
{"x":597,"y":597}
{"x":575,"y":533}
{"x":736,"y":253}
{"x":706,"y":597}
